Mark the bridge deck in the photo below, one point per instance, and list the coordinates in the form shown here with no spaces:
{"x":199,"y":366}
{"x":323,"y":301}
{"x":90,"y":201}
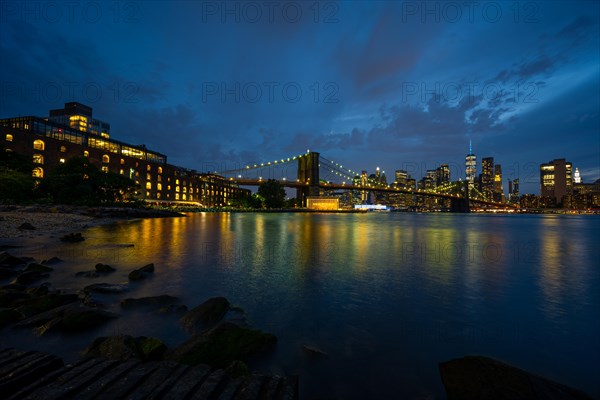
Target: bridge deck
{"x":36,"y":375}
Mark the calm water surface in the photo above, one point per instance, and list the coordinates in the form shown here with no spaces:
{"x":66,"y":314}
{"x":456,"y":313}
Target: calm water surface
{"x":387,"y":296}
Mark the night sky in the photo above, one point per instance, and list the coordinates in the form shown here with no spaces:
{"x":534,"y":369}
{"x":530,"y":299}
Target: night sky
{"x":217,"y":85}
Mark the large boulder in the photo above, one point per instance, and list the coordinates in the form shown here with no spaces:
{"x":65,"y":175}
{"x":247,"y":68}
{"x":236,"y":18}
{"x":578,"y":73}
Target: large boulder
{"x":109,"y":288}
{"x":32,"y":306}
{"x":477,"y":377}
{"x":125,"y":347}
{"x":77,"y":319}
{"x":205,"y":315}
{"x":142,"y":273}
{"x":28,"y":277}
{"x":38,"y":267}
{"x":8,"y":260}
{"x":222,"y":345}
{"x":104,"y":268}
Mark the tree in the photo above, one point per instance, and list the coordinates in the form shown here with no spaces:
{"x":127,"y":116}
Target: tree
{"x":273,"y":193}
{"x":79,"y":182}
{"x":16,"y":182}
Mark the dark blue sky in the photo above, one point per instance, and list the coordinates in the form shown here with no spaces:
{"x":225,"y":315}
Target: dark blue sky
{"x":392,"y":84}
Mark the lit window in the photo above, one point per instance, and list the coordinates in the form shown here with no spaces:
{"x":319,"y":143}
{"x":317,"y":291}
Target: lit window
{"x":38,"y":159}
{"x":104,"y":168}
{"x":160,"y":170}
{"x":9,"y":137}
{"x":122,"y":161}
{"x":62,"y":161}
{"x":38,"y":172}
{"x":159,"y":178}
{"x":86,"y":153}
{"x":63,"y":149}
{"x":176,"y":196}
{"x":38,"y":144}
{"x":147,"y":194}
{"x":184,"y":189}
{"x":121,"y":171}
{"x":148,"y":185}
{"x":177,"y":188}
{"x":159,"y":186}
{"x":177,"y":181}
{"x":105,"y":159}
{"x":137,"y":173}
{"x":169,"y":187}
{"x":158,"y":195}
{"x":148,"y":176}
{"x":148,"y":167}
{"x":185,"y":197}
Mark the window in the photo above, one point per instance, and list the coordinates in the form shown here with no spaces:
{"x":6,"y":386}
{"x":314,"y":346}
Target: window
{"x":159,"y":178}
{"x":148,"y":185}
{"x":86,"y":153}
{"x":177,"y":188}
{"x":158,"y":195}
{"x":184,"y":189}
{"x":148,"y":167}
{"x":121,"y":171}
{"x":63,"y":149}
{"x":105,"y":159}
{"x":62,"y":161}
{"x":148,"y":176}
{"x":184,"y":197}
{"x":159,"y":186}
{"x":38,"y":159}
{"x":122,"y":161}
{"x":38,"y":172}
{"x":160,"y":170}
{"x":104,"y":168}
{"x":38,"y":144}
{"x":176,"y":196}
{"x":9,"y":137}
{"x":177,"y":181}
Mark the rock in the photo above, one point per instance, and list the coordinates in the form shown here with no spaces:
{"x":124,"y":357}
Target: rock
{"x":16,"y":287}
{"x":125,"y":347}
{"x":206,"y":314}
{"x":104,"y":268}
{"x":8,"y":316}
{"x":106,"y":288}
{"x":78,"y":319}
{"x":87,"y":274}
{"x":52,"y":261}
{"x":142,"y":273}
{"x":38,"y":267}
{"x":38,"y":291}
{"x":222,"y":345}
{"x":8,"y":260}
{"x":7,"y":272}
{"x":477,"y":377}
{"x":29,"y":277}
{"x":9,"y":297}
{"x":44,"y":317}
{"x":149,"y":302}
{"x":37,"y":305}
{"x":313,"y":351}
{"x":27,"y":226}
{"x":237,"y":369}
{"x":72,"y":238}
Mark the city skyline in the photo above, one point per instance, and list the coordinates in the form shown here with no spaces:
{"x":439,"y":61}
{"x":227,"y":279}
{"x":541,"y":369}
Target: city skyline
{"x":388,"y":84}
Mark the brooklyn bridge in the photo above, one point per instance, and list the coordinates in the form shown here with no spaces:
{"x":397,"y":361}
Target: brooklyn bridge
{"x":317,"y":174}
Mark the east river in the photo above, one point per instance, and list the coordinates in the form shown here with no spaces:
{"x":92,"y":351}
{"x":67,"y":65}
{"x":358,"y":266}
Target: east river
{"x":387,"y":296}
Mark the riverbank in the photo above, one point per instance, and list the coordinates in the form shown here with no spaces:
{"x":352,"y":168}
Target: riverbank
{"x":29,"y":222}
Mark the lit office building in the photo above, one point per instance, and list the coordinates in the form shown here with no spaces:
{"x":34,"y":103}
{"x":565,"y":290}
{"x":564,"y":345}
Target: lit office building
{"x":556,"y":179}
{"x":470,"y":167}
{"x":487,"y":177}
{"x":498,"y":189}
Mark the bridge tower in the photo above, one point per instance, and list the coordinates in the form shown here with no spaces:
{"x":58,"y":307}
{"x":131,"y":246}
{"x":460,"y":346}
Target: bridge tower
{"x":308,"y":172}
{"x":461,"y":205}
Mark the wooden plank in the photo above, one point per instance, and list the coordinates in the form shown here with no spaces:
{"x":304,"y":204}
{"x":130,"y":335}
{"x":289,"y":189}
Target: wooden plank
{"x":120,"y":388}
{"x":42,"y":382}
{"x":73,"y":381}
{"x":212,"y":386}
{"x":160,"y":391}
{"x":155,"y":379}
{"x":251,"y":388}
{"x":232,"y":388}
{"x":106,"y":380}
{"x":271,"y":387}
{"x":29,"y":372}
{"x":188,"y":381}
{"x":18,"y":360}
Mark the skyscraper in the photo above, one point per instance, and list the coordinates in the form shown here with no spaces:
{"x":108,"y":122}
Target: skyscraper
{"x":577,"y":177}
{"x":442,"y":174}
{"x":498,"y":189}
{"x":556,"y":179}
{"x":470,"y":167}
{"x":487,"y":177}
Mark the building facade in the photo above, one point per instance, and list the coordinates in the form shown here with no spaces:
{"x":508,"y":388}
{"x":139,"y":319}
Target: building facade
{"x":470,"y":167}
{"x":72,"y":132}
{"x":556,"y":179}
